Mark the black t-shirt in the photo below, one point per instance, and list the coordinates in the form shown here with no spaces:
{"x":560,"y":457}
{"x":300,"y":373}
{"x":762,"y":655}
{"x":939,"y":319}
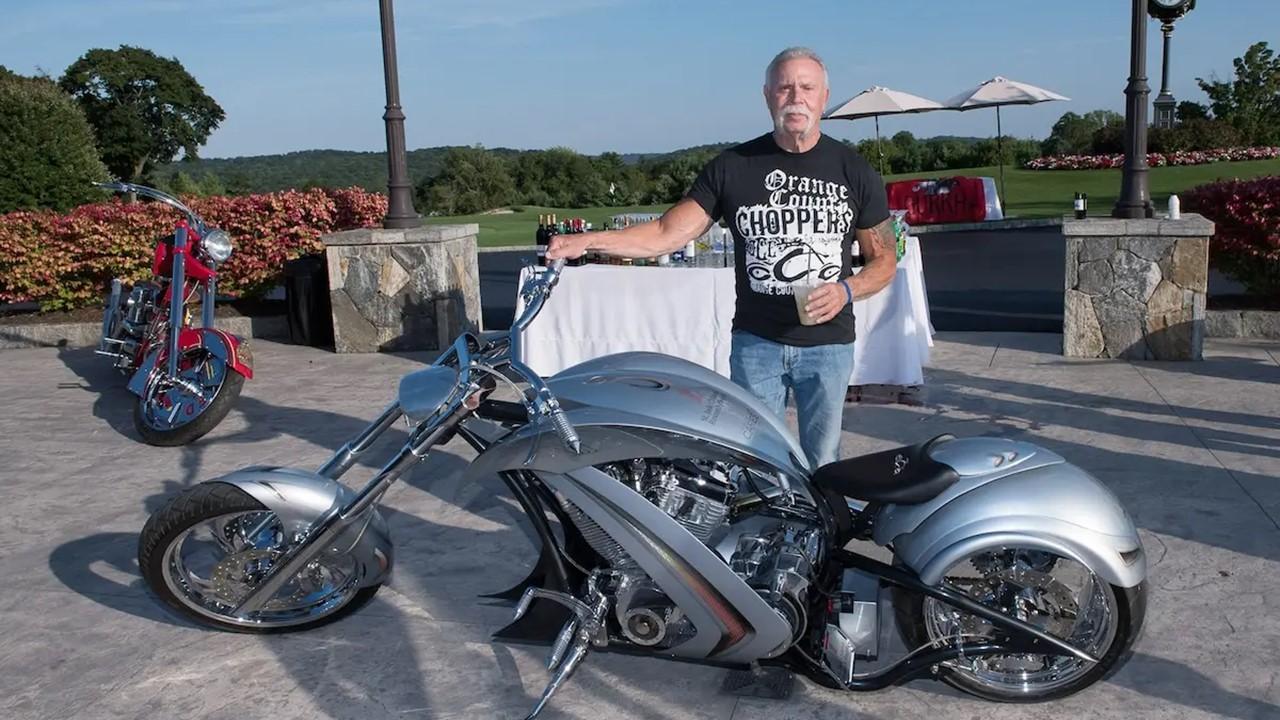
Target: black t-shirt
{"x":792,"y":215}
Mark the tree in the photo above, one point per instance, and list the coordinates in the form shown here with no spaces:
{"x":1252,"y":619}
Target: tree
{"x":1188,"y":111}
{"x":1250,"y":102}
{"x":212,"y":185}
{"x":47,"y":153}
{"x":145,"y":108}
{"x":673,"y":176}
{"x":908,"y":153}
{"x":472,"y":180}
{"x":945,"y":154}
{"x":1074,"y":134}
{"x":184,"y":184}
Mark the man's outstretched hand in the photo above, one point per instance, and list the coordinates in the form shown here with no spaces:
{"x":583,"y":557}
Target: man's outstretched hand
{"x":568,"y":247}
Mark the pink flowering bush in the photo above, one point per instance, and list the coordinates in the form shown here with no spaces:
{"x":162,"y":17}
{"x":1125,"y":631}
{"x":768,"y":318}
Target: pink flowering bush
{"x":1246,"y":237}
{"x":66,"y":261}
{"x":1185,"y":157}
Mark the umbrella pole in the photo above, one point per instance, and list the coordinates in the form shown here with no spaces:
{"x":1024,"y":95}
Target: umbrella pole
{"x":878,"y":150}
{"x":1000,"y":158}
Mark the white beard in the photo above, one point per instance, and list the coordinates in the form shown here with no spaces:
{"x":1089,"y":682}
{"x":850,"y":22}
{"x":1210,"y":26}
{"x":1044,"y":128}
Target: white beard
{"x":780,"y":120}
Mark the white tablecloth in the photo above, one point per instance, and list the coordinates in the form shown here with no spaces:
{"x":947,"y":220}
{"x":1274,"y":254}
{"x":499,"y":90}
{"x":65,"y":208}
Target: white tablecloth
{"x":599,"y":310}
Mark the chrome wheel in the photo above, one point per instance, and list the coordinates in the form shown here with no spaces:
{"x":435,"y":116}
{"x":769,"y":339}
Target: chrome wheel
{"x":1056,"y":594}
{"x":213,"y":565}
{"x":168,"y":405}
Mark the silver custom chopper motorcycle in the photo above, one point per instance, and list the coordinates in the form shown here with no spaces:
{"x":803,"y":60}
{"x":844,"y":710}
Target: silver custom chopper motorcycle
{"x":688,"y":526}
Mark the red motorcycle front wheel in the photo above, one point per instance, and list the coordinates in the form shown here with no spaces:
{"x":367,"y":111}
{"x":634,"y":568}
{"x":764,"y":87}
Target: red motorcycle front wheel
{"x":170,"y":414}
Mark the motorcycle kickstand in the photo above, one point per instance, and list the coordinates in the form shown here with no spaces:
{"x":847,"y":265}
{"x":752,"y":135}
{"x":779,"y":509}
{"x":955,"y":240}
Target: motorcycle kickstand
{"x":575,"y":639}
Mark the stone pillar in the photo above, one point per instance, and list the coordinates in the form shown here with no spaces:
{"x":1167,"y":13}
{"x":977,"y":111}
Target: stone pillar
{"x":405,"y":289}
{"x":1136,"y":288}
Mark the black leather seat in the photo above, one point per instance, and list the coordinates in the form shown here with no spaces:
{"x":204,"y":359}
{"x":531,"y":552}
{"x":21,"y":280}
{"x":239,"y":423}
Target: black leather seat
{"x":901,"y":476}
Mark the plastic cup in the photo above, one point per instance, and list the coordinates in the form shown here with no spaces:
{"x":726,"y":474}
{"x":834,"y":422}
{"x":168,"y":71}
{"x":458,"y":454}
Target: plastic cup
{"x":802,"y":292}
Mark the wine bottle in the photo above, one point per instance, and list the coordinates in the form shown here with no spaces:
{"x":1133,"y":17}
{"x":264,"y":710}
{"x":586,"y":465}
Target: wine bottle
{"x":552,"y":228}
{"x":541,"y":240}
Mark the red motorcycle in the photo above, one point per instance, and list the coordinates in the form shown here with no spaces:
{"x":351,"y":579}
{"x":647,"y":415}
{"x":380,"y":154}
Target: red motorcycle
{"x":186,"y":378}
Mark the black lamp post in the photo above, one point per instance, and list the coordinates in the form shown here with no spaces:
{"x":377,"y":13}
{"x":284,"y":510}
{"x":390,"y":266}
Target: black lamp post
{"x":400,"y":212}
{"x":1135,"y":198}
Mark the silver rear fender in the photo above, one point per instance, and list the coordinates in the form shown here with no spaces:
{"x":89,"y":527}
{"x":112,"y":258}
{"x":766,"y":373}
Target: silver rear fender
{"x":299,"y":497}
{"x":1056,"y":507}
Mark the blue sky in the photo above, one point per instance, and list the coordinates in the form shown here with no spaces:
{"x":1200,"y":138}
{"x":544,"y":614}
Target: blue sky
{"x":624,"y":75}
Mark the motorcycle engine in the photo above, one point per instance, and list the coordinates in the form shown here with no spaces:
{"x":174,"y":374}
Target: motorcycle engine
{"x":129,"y":323}
{"x":776,"y":555}
{"x":139,"y":308}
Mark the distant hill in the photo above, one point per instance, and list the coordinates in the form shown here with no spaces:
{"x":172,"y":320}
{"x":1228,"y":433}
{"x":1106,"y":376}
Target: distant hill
{"x":957,"y":138}
{"x":311,"y":168}
{"x":635,"y":158}
{"x":346,"y":168}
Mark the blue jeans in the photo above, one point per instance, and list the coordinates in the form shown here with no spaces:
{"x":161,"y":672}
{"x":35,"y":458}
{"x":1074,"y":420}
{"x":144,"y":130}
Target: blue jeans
{"x":817,"y":376}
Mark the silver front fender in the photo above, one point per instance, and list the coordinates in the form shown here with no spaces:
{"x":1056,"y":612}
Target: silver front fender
{"x":1056,"y":507}
{"x":299,"y":497}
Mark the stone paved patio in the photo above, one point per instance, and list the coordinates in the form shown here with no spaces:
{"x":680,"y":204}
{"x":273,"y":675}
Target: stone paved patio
{"x":1193,"y":450}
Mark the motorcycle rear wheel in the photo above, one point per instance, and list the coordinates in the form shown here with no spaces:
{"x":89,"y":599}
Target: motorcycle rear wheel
{"x":148,"y":414}
{"x":1104,"y":619}
{"x":199,"y":554}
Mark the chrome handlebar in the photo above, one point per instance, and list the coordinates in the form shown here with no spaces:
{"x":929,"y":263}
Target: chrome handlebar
{"x":540,"y":403}
{"x":156,"y":195}
{"x":535,"y":293}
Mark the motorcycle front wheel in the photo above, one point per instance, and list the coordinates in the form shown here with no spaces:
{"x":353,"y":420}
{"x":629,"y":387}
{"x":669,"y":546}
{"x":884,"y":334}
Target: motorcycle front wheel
{"x":210,"y":544}
{"x":1059,"y":595}
{"x":168,"y":414}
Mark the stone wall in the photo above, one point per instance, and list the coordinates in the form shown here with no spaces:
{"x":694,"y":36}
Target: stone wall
{"x":413,"y":289}
{"x":1135,"y":289}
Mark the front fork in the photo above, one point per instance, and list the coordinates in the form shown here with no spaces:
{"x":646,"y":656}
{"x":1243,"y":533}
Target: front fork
{"x":329,"y":526}
{"x":177,"y":298}
{"x":177,"y":310}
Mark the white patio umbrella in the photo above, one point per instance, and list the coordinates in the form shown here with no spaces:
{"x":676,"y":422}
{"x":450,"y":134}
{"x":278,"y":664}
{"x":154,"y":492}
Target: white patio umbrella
{"x":877,"y":101}
{"x":1001,"y":91}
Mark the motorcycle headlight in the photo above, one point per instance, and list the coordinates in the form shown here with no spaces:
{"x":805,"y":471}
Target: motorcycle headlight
{"x":217,"y":245}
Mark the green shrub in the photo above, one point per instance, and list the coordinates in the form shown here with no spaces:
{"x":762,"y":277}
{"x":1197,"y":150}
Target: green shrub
{"x":47,"y":154}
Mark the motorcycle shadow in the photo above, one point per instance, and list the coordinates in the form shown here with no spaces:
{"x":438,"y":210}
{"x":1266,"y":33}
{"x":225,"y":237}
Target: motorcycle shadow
{"x":104,"y":569}
{"x":114,"y":403}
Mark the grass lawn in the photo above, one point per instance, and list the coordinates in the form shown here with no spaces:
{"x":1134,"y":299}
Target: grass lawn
{"x":1028,"y":193}
{"x":1049,"y":193}
{"x":520,"y":227}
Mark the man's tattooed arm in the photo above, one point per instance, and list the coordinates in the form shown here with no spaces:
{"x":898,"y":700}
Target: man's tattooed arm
{"x":880,"y":254}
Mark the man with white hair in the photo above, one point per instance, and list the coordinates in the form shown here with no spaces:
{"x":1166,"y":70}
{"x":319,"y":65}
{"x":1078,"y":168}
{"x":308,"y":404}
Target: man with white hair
{"x":795,"y":201}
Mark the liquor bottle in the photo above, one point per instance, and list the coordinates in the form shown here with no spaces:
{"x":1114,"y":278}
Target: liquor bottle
{"x":552,"y":228}
{"x":581,"y":259}
{"x":542,"y":239}
{"x":573,"y":230}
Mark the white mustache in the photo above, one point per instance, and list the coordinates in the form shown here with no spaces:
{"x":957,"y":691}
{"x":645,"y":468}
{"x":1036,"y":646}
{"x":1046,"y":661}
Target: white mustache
{"x":794,"y":109}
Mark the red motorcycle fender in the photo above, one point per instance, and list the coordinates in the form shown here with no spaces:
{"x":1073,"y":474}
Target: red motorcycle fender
{"x":221,"y":344}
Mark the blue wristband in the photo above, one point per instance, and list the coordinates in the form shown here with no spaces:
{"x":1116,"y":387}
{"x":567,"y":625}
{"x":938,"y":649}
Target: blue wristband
{"x":847,"y":292}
